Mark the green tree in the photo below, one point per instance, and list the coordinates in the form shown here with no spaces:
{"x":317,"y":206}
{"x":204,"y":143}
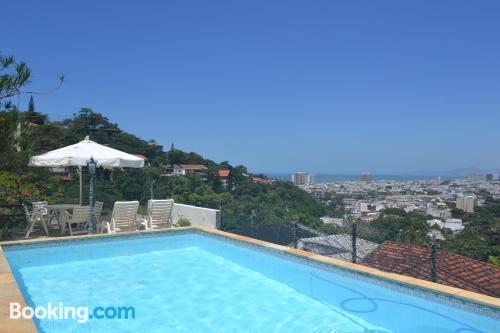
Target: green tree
{"x":13,"y":76}
{"x":481,"y":235}
{"x":31,"y":105}
{"x":396,"y":225}
{"x":33,"y":117}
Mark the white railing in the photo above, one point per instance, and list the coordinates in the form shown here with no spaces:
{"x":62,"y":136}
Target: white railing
{"x":197,"y":216}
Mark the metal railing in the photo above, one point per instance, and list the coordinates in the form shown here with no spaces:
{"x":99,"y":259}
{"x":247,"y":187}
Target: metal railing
{"x":294,"y":233}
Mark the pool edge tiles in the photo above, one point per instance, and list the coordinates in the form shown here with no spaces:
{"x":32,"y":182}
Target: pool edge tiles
{"x":68,"y":241}
{"x":482,"y":304}
{"x":10,"y":292}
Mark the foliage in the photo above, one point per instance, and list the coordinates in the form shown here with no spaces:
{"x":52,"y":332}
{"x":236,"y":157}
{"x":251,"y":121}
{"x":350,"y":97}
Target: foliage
{"x":430,"y":191}
{"x":480,"y":237}
{"x":14,"y":139}
{"x":183,"y":222}
{"x":13,"y":76}
{"x":494,"y":260}
{"x":33,"y":117}
{"x":396,"y":225}
{"x":271,"y":203}
{"x":17,"y":189}
{"x":394,"y":212}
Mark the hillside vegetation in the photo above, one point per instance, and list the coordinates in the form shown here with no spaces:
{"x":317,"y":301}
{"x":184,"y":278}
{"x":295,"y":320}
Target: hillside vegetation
{"x":272,"y":203}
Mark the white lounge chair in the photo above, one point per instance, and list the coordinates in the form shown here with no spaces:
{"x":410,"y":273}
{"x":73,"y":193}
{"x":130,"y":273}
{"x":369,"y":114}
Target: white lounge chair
{"x":159,"y":212}
{"x":124,"y":216}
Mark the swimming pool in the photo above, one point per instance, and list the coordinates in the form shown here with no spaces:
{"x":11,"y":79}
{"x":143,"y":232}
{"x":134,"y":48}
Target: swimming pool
{"x":192,"y":281}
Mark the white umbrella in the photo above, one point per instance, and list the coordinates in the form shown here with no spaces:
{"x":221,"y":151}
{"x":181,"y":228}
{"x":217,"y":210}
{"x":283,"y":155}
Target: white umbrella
{"x":80,"y":154}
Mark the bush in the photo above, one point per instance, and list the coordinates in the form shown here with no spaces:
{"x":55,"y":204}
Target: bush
{"x":183,"y":222}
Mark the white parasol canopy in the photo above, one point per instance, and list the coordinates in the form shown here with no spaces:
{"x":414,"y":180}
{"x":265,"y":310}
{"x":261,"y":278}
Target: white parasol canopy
{"x":80,"y":153}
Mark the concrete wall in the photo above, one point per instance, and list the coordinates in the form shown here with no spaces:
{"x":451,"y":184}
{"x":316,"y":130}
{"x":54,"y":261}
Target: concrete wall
{"x":198,"y":216}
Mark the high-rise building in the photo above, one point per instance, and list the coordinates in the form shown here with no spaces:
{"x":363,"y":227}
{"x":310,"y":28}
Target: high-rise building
{"x":299,"y":178}
{"x":476,"y":177}
{"x":302,"y":178}
{"x":489,"y":177}
{"x":466,"y":203}
{"x":310,"y":179}
{"x":366,"y":177}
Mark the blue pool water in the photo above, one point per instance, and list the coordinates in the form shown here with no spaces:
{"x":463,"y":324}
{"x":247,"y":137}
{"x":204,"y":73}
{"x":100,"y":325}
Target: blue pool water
{"x":199,"y":283}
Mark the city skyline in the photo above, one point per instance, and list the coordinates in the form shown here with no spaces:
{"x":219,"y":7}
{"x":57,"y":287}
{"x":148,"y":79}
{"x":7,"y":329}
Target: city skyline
{"x":460,"y":173}
{"x":327,"y":88}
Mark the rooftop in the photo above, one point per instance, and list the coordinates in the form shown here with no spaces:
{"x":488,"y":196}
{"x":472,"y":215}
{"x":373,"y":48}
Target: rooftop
{"x":452,"y":269}
{"x":262,"y":180}
{"x":191,"y":166}
{"x":337,"y":246}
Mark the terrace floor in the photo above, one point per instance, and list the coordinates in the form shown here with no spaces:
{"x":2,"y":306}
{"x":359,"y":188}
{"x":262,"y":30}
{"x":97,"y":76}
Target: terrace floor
{"x":55,"y":232}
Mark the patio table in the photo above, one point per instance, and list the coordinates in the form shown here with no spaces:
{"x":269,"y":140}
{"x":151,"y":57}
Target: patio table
{"x":60,"y":210}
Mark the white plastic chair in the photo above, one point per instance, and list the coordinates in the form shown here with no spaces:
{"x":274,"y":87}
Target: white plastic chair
{"x":37,"y":215}
{"x":98,"y":211}
{"x":40,"y":205}
{"x":77,"y":222}
{"x":159,"y":212}
{"x":124,"y":216}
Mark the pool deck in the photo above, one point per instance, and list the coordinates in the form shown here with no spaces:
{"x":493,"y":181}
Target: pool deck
{"x":10,"y":292}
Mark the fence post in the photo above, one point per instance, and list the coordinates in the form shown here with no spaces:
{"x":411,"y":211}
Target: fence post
{"x":353,"y":238}
{"x":220,"y":219}
{"x":295,"y":219}
{"x":152,"y":193}
{"x":433,"y":260}
{"x":253,"y":215}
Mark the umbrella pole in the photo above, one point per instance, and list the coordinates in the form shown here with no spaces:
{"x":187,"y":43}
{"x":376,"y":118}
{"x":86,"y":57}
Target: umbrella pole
{"x":81,"y":183}
{"x":92,"y":169}
{"x":91,"y":204}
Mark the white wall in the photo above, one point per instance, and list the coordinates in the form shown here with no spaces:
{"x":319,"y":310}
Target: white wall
{"x":198,"y":216}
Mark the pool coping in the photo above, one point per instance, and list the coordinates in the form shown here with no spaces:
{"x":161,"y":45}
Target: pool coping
{"x":10,"y":292}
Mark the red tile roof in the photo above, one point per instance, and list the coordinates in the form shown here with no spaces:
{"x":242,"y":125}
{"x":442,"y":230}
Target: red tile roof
{"x":191,"y":166}
{"x":452,"y":269}
{"x":262,"y":180}
{"x":224,"y":173}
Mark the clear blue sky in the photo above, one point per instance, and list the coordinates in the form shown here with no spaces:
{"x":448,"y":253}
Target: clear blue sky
{"x":319,"y":86}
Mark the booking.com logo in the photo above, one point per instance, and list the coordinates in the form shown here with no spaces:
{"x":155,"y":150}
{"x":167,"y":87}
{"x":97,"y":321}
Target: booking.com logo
{"x":81,"y":314}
